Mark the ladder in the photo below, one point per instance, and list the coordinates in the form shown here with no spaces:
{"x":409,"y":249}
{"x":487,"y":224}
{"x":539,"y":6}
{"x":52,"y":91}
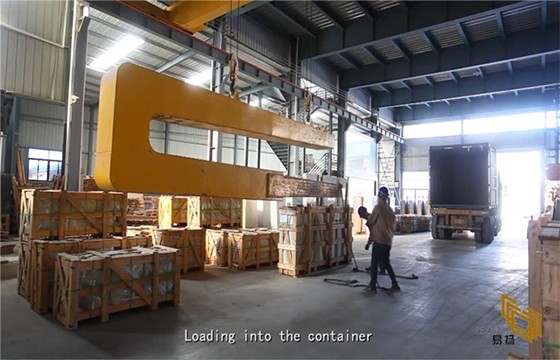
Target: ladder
{"x":387,"y":170}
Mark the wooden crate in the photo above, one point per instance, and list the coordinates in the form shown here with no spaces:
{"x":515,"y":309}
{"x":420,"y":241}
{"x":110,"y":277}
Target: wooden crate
{"x":314,"y":238}
{"x":213,"y":212}
{"x":95,"y":284}
{"x":407,"y":224}
{"x":43,"y":257}
{"x":56,"y":214}
{"x":173,"y":211}
{"x":24,"y":273}
{"x":252,"y":248}
{"x":5,"y":229}
{"x":190,"y":241}
{"x":544,"y":285}
{"x":217,"y":247}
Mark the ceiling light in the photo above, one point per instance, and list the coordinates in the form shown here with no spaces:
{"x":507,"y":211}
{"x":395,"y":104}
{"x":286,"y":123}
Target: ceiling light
{"x":200,"y":78}
{"x":255,"y":102}
{"x":117,"y":52}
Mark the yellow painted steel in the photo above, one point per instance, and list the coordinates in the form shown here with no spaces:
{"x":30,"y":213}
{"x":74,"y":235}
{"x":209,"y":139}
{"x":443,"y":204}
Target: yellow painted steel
{"x":193,"y":15}
{"x":132,"y":96}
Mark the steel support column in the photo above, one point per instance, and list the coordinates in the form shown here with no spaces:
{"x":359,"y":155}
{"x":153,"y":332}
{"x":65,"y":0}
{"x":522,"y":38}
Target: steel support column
{"x":341,"y":146}
{"x":93,"y":111}
{"x":9,"y":165}
{"x":75,"y":102}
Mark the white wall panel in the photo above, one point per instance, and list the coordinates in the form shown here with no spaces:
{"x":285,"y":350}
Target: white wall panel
{"x":31,"y":55}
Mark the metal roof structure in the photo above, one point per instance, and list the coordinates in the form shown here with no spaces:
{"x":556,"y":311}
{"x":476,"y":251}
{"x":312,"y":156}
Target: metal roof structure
{"x":403,"y":55}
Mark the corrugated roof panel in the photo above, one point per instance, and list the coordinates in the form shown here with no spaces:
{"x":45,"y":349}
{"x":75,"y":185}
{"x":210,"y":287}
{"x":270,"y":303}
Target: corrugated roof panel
{"x":361,"y":56}
{"x":416,"y":44}
{"x":383,"y":5}
{"x":447,"y":36}
{"x":305,"y":11}
{"x":112,"y":22}
{"x":527,"y":17}
{"x":527,"y":62}
{"x":267,"y":15}
{"x":418,"y":81}
{"x":495,"y":68}
{"x":346,"y":10}
{"x":337,"y":62}
{"x":441,"y":77}
{"x":467,"y":73}
{"x":388,"y":51}
{"x":483,"y":28}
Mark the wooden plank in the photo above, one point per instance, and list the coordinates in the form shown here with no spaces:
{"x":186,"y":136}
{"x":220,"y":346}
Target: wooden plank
{"x":20,"y":172}
{"x":282,"y":186}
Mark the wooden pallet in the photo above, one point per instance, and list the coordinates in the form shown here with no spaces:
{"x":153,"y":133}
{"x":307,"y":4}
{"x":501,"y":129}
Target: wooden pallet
{"x":211,"y":212}
{"x":314,"y":238}
{"x":95,"y":284}
{"x":407,"y":224}
{"x":56,"y":214}
{"x":544,"y":285}
{"x":190,"y":241}
{"x":217,"y":247}
{"x":252,"y":248}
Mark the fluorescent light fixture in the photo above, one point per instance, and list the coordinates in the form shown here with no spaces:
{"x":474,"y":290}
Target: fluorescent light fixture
{"x":122,"y":48}
{"x":200,"y":78}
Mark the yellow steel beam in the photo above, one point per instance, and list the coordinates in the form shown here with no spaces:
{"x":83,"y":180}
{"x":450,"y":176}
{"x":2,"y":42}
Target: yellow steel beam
{"x":193,"y":15}
{"x":132,"y":96}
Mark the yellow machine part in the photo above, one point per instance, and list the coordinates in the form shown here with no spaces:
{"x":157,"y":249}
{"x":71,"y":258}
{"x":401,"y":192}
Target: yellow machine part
{"x":131,"y":96}
{"x":193,"y":15}
{"x":190,"y":15}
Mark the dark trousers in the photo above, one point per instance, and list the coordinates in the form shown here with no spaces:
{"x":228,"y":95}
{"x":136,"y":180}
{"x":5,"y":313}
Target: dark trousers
{"x":380,"y":258}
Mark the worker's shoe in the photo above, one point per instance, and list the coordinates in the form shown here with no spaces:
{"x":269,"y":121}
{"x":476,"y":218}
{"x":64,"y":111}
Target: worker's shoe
{"x":370,"y":289}
{"x":394,"y":289}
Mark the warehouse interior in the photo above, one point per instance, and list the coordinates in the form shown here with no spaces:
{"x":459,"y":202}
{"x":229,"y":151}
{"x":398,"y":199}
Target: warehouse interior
{"x":219,"y":151}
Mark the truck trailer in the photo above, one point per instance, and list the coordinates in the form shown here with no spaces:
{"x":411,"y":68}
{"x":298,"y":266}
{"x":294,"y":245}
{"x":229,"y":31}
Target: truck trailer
{"x":465,"y":191}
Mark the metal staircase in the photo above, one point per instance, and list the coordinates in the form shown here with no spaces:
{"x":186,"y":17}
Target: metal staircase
{"x":282,"y":151}
{"x":322,"y":165}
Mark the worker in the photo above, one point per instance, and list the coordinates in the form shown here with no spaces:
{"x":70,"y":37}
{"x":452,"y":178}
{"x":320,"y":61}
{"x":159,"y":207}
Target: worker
{"x":381,"y":225}
{"x":364,"y":214}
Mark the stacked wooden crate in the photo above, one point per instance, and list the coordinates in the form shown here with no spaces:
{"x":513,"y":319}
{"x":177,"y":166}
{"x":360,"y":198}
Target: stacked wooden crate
{"x":191,"y":243}
{"x":412,"y":223}
{"x":95,"y":284}
{"x":173,"y":211}
{"x":252,"y":248}
{"x":211,"y":212}
{"x":544,"y":285}
{"x":39,"y":271}
{"x":62,"y":215}
{"x":217,"y":247}
{"x":57,"y":214}
{"x":142,"y":209}
{"x":314,"y":238}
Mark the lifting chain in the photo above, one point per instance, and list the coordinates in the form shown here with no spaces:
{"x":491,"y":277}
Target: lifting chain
{"x":232,"y":63}
{"x":307,"y":98}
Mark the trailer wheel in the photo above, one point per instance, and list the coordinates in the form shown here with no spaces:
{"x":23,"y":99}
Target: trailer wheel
{"x":486,"y":234}
{"x":434,"y":227}
{"x":448,"y":233}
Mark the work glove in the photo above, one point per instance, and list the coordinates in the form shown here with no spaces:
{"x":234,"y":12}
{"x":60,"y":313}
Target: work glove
{"x":367,"y":247}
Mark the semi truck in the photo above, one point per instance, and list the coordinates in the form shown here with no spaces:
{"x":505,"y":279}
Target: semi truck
{"x":465,"y":191}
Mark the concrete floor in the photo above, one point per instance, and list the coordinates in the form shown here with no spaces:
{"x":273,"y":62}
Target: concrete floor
{"x":452,"y":311}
